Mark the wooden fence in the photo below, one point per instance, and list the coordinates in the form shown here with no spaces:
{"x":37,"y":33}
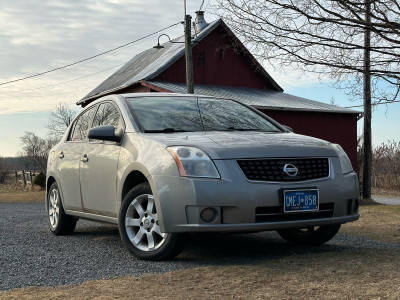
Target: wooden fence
{"x":23,"y":178}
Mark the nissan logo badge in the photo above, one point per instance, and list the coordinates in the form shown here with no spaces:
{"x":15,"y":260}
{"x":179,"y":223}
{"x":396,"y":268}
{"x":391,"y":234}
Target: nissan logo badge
{"x":290,"y":170}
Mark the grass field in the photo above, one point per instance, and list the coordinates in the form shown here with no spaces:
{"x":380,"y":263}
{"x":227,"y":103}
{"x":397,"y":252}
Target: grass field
{"x":11,"y":193}
{"x":360,"y":274}
{"x":379,"y":222}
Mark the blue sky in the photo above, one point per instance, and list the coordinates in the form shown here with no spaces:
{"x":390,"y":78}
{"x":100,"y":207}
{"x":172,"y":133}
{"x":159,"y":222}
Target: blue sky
{"x":37,"y":36}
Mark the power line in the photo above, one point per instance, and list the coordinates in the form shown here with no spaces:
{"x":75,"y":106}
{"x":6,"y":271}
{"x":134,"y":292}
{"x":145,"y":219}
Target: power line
{"x":89,"y":58}
{"x":69,"y":92}
{"x":379,"y":103}
{"x":74,"y":79}
{"x":67,"y":81}
{"x":201,"y":6}
{"x":207,"y":6}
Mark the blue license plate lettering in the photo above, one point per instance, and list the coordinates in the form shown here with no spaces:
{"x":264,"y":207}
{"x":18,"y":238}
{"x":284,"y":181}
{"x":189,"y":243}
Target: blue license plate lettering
{"x":300,"y":200}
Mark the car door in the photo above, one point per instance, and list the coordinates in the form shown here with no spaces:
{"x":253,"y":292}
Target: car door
{"x":68,"y":161}
{"x":98,"y":166}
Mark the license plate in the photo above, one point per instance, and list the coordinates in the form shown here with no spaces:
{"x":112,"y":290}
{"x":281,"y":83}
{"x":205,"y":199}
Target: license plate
{"x":300,"y":200}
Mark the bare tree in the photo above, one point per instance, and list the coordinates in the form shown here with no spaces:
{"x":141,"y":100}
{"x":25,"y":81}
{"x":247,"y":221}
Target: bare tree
{"x":36,"y":149}
{"x":323,"y":36}
{"x":386,"y":167}
{"x":355,"y":44}
{"x":59,"y":121}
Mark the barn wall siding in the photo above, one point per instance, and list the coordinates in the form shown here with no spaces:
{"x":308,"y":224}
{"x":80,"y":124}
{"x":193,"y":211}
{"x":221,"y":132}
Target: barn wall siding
{"x":135,"y":89}
{"x":216,"y":64}
{"x":332,"y":127}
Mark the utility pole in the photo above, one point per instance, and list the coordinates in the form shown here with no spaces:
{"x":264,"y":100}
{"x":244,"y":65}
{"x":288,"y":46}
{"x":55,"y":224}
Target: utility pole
{"x":367,"y":160}
{"x":188,"y":54}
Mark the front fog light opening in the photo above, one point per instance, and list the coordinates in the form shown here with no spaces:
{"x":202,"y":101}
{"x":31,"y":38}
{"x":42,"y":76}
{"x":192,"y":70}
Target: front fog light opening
{"x":355,"y":206}
{"x":209,"y":215}
{"x":352,"y":206}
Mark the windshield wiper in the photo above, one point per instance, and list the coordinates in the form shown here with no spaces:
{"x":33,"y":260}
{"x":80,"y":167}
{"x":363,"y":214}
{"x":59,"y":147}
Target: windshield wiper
{"x":244,"y":129}
{"x":250,"y":129}
{"x":165,"y":130}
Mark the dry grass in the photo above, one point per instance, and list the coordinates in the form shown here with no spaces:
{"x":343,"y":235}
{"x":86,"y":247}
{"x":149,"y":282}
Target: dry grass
{"x":379,"y":222}
{"x":359,"y":275}
{"x":387,"y":193}
{"x":12,"y":193}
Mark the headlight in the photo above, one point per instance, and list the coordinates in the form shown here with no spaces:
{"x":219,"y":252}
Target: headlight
{"x":344,"y":159}
{"x":193,"y":162}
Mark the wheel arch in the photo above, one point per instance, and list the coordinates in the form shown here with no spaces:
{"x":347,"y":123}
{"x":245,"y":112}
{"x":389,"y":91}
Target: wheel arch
{"x":133,"y":179}
{"x":49,"y":182}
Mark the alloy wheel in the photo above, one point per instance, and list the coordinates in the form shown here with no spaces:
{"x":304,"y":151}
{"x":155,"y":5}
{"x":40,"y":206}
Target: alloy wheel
{"x":54,"y":207}
{"x":142,"y":226}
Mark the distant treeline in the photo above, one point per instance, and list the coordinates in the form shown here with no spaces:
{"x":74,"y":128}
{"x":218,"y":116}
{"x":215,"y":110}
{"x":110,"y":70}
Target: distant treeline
{"x":17,"y":163}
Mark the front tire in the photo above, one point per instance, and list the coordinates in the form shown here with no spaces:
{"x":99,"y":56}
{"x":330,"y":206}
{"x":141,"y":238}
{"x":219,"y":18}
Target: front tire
{"x":314,"y":235}
{"x":59,"y":222}
{"x":140,"y":230}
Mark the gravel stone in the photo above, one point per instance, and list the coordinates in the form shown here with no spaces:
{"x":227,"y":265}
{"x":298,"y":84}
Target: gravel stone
{"x":30,"y":255}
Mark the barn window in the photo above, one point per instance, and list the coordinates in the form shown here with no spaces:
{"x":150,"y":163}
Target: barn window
{"x":201,"y":58}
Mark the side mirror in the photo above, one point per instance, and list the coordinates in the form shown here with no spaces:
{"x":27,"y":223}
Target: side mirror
{"x":104,"y":133}
{"x":289,"y":129}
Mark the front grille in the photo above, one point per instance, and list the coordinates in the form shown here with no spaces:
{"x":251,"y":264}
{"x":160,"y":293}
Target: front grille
{"x":272,"y":169}
{"x":276,"y":214}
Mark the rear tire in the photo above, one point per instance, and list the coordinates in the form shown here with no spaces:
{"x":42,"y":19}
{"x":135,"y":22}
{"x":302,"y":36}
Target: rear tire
{"x":311,"y":235}
{"x":139,"y":227}
{"x":59,"y":222}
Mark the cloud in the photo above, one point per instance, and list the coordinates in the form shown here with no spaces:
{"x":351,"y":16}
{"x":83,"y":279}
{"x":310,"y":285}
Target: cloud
{"x":292,"y":78}
{"x":37,"y":36}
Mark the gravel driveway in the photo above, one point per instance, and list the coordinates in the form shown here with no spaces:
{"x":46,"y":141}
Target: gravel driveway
{"x":30,"y":255}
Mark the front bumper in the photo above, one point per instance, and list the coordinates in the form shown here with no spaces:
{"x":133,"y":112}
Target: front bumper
{"x":242,"y":205}
{"x":265,"y":226}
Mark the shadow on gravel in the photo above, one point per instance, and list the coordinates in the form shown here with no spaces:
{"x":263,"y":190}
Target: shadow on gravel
{"x":219,"y":249}
{"x":95,"y":229}
{"x":222,"y":249}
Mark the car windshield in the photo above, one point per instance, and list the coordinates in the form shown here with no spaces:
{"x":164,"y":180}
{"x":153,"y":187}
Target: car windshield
{"x":180,"y":114}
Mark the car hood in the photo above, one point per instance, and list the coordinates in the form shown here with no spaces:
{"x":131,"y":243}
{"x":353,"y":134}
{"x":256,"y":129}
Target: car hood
{"x":236,"y":144}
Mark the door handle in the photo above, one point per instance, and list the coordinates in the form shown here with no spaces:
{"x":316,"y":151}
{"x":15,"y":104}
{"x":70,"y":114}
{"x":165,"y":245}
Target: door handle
{"x":84,"y":158}
{"x":61,"y":155}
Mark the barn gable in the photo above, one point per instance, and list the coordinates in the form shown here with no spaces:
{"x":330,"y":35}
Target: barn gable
{"x":218,"y":58}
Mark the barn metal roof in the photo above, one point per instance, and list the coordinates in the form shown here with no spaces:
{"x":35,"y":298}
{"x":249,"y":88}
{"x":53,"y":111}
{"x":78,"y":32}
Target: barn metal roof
{"x":152,"y":62}
{"x":146,"y":65}
{"x":259,"y":98}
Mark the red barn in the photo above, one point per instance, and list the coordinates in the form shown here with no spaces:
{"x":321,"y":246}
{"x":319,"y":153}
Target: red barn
{"x":223,"y":67}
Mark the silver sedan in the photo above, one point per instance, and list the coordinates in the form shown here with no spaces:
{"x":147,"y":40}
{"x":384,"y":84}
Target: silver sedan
{"x":164,"y":165}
